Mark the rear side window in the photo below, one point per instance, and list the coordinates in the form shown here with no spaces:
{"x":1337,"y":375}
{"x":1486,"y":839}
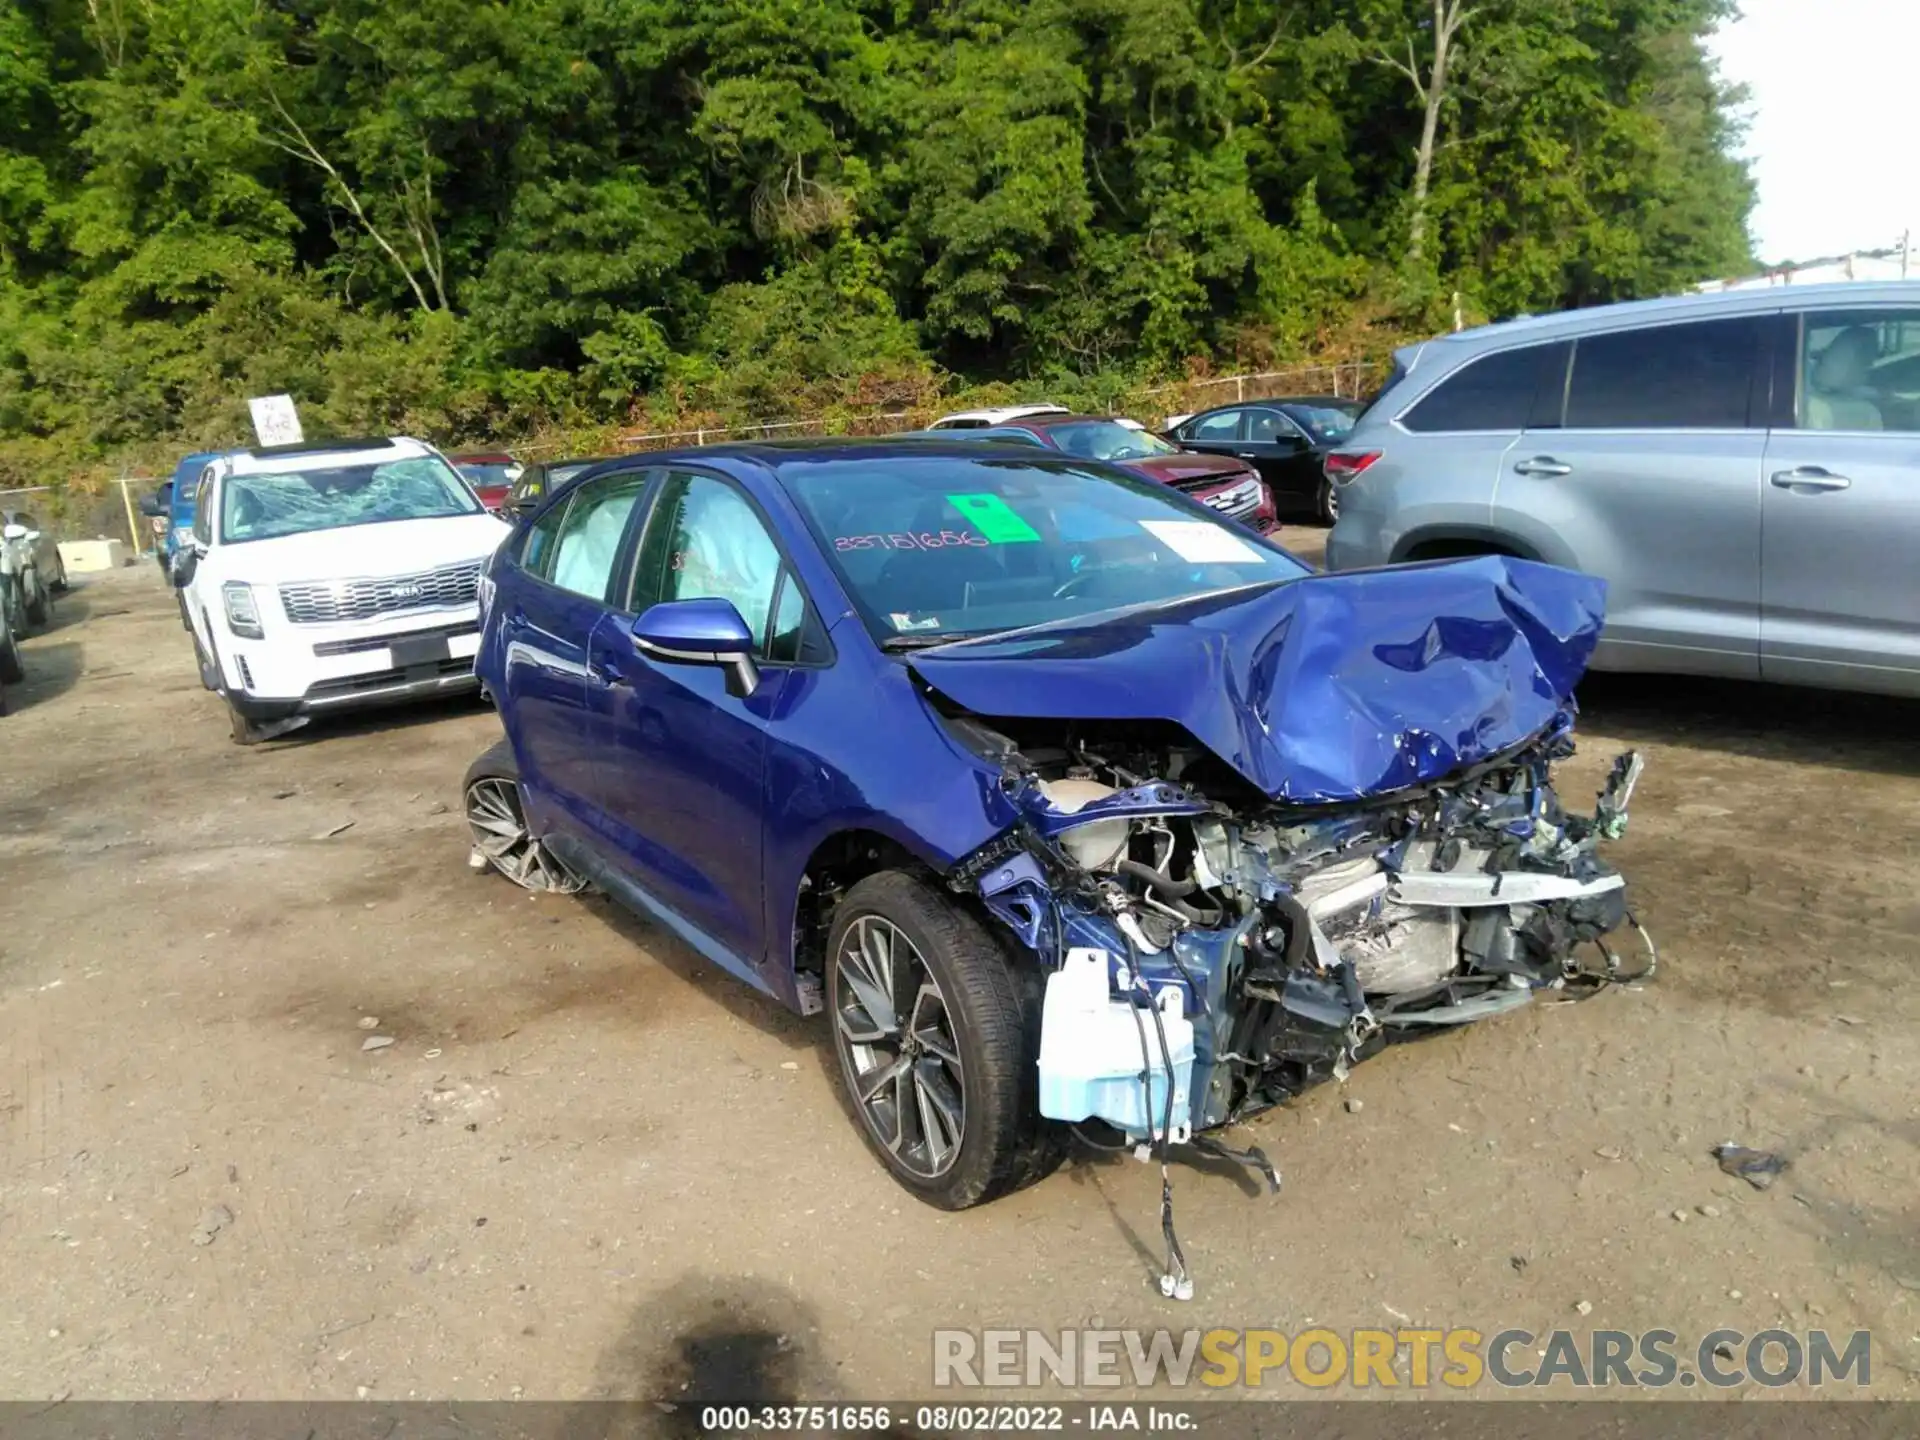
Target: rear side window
{"x":1224,"y":425}
{"x":1671,"y":377}
{"x":1495,"y":392}
{"x":536,"y":551}
{"x":589,"y":539}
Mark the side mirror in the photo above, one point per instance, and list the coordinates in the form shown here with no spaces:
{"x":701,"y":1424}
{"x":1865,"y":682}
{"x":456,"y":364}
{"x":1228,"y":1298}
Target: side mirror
{"x":700,"y":632}
{"x":153,"y":505}
{"x":181,"y":567}
{"x":15,"y":532}
{"x":523,"y":503}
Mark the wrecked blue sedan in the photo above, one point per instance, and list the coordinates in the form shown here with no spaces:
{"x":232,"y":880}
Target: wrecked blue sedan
{"x":1069,"y":803}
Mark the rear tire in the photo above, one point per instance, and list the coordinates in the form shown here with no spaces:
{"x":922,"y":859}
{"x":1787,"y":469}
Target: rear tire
{"x":12,"y":672}
{"x":39,"y":604}
{"x":501,"y":840}
{"x":937,"y":1030}
{"x":1327,"y":506}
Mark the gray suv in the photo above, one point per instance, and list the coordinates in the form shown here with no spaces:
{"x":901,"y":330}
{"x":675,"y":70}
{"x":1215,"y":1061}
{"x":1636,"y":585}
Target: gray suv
{"x":1743,"y":468}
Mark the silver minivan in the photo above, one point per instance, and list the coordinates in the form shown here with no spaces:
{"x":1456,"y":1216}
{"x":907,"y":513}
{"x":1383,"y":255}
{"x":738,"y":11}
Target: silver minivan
{"x":1743,"y":468}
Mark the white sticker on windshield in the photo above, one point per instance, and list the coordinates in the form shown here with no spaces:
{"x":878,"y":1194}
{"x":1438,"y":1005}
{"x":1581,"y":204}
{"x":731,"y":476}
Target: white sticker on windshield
{"x":1201,"y":542}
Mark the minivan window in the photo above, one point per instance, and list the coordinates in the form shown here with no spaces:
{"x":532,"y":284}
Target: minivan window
{"x":1666,"y":377}
{"x":1860,"y":370}
{"x":1494,"y":392}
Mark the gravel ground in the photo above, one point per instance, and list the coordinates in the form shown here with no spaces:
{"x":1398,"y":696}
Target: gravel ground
{"x":590,"y":1165}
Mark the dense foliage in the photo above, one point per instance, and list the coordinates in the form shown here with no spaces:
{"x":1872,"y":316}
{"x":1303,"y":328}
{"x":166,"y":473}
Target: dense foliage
{"x":474,"y":218}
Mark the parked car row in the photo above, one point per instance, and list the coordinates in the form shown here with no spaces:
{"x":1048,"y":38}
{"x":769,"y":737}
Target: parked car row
{"x":31,"y":574}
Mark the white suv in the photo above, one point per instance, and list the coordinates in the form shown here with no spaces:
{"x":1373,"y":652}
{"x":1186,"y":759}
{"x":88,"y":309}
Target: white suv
{"x":332,"y":575}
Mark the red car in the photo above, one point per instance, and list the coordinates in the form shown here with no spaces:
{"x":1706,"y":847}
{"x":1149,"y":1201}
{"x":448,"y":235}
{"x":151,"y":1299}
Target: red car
{"x":1223,"y":483}
{"x":491,"y":476}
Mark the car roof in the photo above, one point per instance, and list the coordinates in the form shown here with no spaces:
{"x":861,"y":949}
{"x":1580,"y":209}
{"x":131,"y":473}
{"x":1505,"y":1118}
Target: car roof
{"x":1755,"y":300}
{"x":775,"y":455}
{"x":278,"y":459}
{"x":1000,"y":414}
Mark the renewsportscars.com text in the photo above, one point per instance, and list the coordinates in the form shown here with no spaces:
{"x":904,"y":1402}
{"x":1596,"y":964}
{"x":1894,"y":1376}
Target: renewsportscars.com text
{"x":1406,"y":1358}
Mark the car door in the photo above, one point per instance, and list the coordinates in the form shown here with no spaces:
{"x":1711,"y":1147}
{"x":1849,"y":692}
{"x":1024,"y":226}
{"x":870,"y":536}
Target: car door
{"x":1650,"y":478}
{"x":682,"y":768}
{"x":556,"y":596}
{"x":1839,"y":588}
{"x":1219,"y":432}
{"x":1283,"y":454}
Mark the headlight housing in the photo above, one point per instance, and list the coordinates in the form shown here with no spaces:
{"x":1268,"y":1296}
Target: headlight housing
{"x":243,"y":616}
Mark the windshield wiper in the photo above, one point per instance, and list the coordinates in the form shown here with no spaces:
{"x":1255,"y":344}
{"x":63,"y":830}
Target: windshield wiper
{"x":897,"y":643}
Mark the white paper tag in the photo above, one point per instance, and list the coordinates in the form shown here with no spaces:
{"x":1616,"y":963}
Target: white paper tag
{"x":275,"y":420}
{"x":1201,"y":542}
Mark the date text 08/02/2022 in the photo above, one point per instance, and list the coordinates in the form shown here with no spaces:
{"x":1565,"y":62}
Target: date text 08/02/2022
{"x":948,"y":1419}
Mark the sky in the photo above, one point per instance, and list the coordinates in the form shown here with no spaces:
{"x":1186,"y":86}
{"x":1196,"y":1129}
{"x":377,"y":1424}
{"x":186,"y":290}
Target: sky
{"x":1831,"y":113}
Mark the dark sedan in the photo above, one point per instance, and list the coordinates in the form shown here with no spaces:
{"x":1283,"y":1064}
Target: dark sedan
{"x":1285,"y":439}
{"x":1226,"y":485}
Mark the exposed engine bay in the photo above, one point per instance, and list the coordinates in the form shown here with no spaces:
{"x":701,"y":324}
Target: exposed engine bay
{"x":1295,"y":940}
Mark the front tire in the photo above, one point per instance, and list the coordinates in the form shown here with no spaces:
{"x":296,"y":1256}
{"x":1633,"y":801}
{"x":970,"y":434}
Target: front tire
{"x":12,"y":672}
{"x":501,"y":840}
{"x":938,"y":1037}
{"x":39,"y":603}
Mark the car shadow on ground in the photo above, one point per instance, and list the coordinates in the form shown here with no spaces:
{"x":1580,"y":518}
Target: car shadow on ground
{"x":53,"y":668}
{"x":735,"y":996}
{"x":1771,"y":722}
{"x":381,"y":719}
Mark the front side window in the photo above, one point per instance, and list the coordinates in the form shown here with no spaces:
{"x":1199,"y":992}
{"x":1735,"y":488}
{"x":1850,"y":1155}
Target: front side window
{"x":587,"y":541}
{"x":1223,"y":425}
{"x":704,"y":541}
{"x":267,"y":505}
{"x":941,"y":546}
{"x":1860,"y":370}
{"x":1108,"y":440}
{"x":1495,"y":392}
{"x":1324,"y":424}
{"x":1667,"y":377}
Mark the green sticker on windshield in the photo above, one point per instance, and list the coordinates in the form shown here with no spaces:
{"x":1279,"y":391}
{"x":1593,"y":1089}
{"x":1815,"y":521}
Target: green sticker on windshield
{"x":993,"y":518}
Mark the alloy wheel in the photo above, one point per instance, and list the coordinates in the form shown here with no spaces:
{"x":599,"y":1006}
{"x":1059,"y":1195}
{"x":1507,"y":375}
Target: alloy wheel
{"x":500,"y":834}
{"x":895,"y":1034}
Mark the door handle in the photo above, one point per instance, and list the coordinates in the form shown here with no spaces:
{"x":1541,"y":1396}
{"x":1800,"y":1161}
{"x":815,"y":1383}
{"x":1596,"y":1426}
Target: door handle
{"x":603,"y":673}
{"x":1810,"y":477}
{"x":1248,"y":454}
{"x":1544,"y":466}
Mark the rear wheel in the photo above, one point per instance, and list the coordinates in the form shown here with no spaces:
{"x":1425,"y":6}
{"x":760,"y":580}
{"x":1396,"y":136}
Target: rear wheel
{"x":12,"y":672}
{"x":39,"y":602}
{"x":501,"y":839}
{"x":1328,"y":505}
{"x":937,"y":1036}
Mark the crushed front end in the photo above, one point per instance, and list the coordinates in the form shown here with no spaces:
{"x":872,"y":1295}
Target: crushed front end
{"x":1320,"y":813}
{"x":1298,"y":939}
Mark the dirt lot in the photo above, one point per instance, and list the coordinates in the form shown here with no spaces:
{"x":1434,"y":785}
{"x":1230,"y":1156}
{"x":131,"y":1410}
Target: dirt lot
{"x":591,"y":1165}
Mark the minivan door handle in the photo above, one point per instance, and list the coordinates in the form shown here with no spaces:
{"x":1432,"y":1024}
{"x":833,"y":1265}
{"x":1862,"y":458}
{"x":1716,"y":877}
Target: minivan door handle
{"x":1810,"y":477}
{"x":1542,"y":465}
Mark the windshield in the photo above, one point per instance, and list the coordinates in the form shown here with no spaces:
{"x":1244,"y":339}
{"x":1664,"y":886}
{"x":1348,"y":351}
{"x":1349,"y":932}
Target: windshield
{"x":291,"y":502}
{"x":939,"y":546}
{"x":488,"y":473}
{"x":1324,"y":424}
{"x":1108,"y":440}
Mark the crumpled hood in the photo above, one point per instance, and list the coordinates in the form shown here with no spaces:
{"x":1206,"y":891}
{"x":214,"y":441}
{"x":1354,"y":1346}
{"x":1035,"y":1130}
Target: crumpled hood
{"x":1325,"y":689}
